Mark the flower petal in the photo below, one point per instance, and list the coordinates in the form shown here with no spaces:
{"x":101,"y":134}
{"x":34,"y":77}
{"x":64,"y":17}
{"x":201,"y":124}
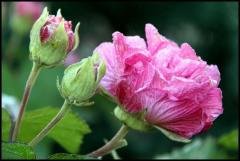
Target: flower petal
{"x":126,"y":46}
{"x":181,"y":117}
{"x":212,"y":106}
{"x":188,"y":52}
{"x":156,"y":41}
{"x":107,"y":52}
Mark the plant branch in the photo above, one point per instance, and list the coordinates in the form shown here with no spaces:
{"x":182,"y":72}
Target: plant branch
{"x":112,"y":144}
{"x":51,"y":124}
{"x":29,"y":84}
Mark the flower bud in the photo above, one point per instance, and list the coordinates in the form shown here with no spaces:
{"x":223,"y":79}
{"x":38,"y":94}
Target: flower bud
{"x":80,"y":80}
{"x":51,"y":39}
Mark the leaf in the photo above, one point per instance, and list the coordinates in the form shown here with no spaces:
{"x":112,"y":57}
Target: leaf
{"x":6,"y":124}
{"x":229,"y":140}
{"x":17,"y":151}
{"x":69,"y":156}
{"x":173,"y":136}
{"x":198,"y":149}
{"x":68,"y":132}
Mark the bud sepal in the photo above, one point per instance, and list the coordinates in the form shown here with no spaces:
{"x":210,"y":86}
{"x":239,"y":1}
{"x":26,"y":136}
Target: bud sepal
{"x":133,"y":120}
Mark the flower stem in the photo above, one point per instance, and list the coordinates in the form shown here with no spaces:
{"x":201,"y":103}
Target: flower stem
{"x":112,"y":144}
{"x":51,"y":124}
{"x":30,"y":82}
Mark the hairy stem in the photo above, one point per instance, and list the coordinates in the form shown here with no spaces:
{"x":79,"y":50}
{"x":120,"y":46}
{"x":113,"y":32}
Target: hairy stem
{"x":51,"y":124}
{"x":112,"y":144}
{"x":29,"y":84}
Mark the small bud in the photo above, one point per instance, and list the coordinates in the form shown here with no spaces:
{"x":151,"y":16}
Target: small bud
{"x":80,"y":80}
{"x":51,"y":39}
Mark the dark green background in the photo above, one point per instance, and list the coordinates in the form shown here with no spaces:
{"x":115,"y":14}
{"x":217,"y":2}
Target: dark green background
{"x":211,"y":28}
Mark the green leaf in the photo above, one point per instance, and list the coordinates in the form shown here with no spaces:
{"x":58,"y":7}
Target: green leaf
{"x":17,"y":151}
{"x":6,"y":124}
{"x":68,"y":132}
{"x":69,"y":156}
{"x":230,"y":140}
{"x":198,"y":149}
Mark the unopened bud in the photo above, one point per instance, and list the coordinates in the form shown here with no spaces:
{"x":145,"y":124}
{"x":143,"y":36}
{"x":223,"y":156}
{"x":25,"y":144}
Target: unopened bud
{"x":81,"y":80}
{"x":51,"y":39}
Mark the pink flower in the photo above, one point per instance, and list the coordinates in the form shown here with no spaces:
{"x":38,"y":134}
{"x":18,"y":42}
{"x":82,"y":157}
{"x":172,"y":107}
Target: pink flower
{"x":50,"y":27}
{"x":71,"y":58}
{"x":178,"y":90}
{"x":31,"y":9}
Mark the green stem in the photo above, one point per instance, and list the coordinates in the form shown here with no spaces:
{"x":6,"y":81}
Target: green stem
{"x":51,"y":124}
{"x":112,"y":144}
{"x":30,"y":82}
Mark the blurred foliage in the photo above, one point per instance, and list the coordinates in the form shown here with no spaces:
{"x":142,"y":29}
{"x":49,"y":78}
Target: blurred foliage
{"x":230,"y":141}
{"x":17,"y":151}
{"x":69,"y":156}
{"x":211,"y":28}
{"x":6,"y":124}
{"x":198,"y":149}
{"x":207,"y":148}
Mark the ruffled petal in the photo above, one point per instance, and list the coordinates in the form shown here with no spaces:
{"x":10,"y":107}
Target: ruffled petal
{"x":188,"y":52}
{"x":138,"y":77}
{"x":212,"y":106}
{"x":127,"y":98}
{"x":156,"y":41}
{"x":182,"y":88}
{"x":126,"y":46}
{"x":213,"y":74}
{"x":107,"y":52}
{"x":183,"y":117}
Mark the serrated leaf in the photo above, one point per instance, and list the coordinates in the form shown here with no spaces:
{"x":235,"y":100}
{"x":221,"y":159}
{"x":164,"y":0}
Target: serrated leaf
{"x":229,"y":140}
{"x":6,"y":124}
{"x":17,"y":151}
{"x":68,"y":132}
{"x":172,"y":135}
{"x":69,"y":156}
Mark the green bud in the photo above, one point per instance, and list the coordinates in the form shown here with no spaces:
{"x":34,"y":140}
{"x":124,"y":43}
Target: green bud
{"x":81,"y":80}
